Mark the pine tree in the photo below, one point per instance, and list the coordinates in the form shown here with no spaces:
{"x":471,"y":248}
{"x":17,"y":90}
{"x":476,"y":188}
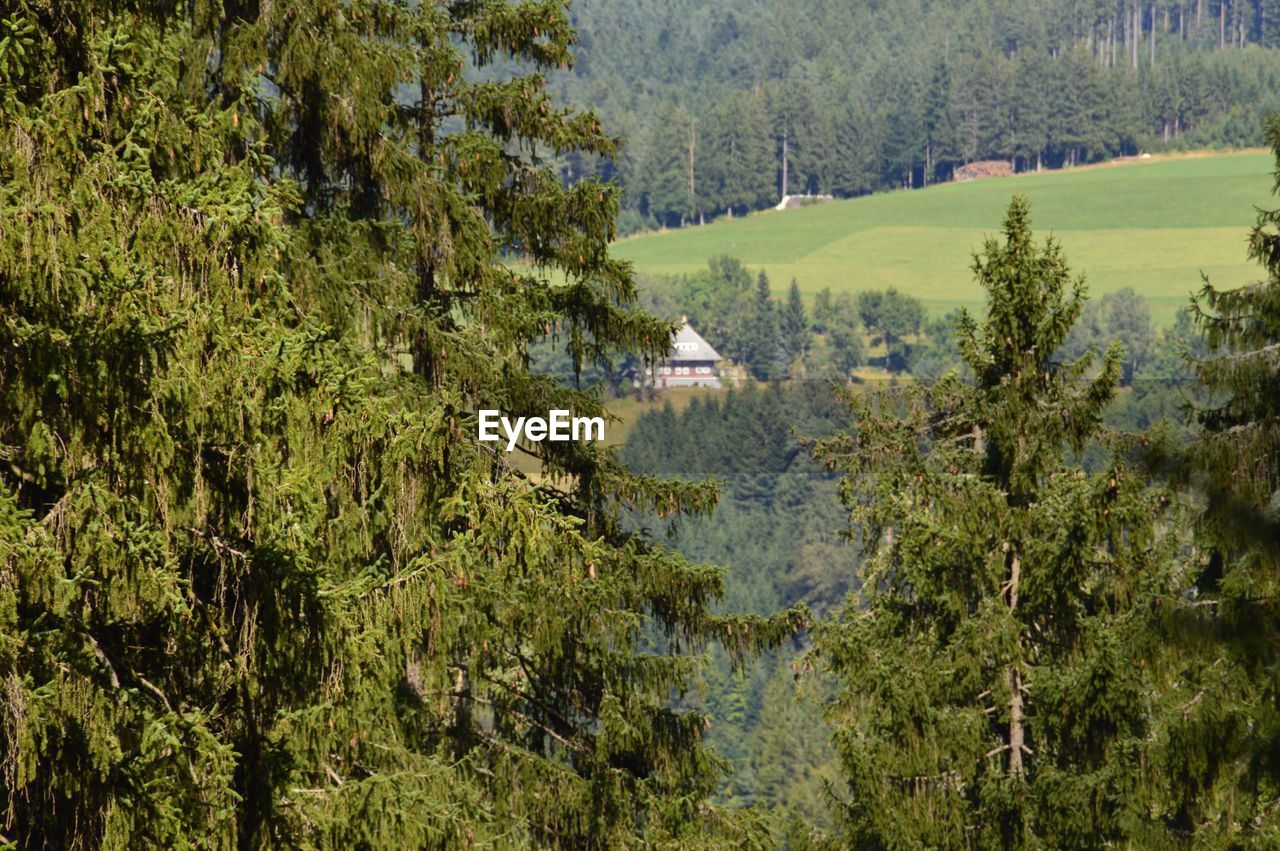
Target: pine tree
{"x":739,"y":160}
{"x":666,"y":168}
{"x":940,"y":141}
{"x":260,"y":586}
{"x":851,"y":164}
{"x":1215,"y":778}
{"x":764,"y":350}
{"x":794,"y":323}
{"x":989,"y":691}
{"x":1242,"y":371}
{"x":823,"y":310}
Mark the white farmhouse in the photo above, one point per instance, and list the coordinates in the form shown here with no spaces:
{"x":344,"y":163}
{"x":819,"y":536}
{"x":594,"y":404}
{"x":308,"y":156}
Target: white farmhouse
{"x":691,"y":362}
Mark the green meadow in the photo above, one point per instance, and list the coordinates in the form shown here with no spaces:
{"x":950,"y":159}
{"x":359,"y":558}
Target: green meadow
{"x":1154,"y":225}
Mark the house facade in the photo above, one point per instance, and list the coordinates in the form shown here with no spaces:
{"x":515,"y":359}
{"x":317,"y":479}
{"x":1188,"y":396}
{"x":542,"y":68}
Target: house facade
{"x":690,"y":362}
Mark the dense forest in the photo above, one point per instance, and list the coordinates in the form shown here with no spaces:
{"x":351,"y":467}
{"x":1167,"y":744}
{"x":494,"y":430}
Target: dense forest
{"x":779,"y":524}
{"x":728,"y":105}
{"x":262,"y":586}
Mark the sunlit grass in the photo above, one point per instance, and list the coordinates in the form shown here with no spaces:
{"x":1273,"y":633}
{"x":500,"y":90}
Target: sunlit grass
{"x":1151,"y":225}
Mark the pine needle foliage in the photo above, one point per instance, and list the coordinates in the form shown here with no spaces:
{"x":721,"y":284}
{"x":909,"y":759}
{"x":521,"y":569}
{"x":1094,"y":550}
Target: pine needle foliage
{"x":993,"y":679}
{"x":1215,"y":776}
{"x":260,"y":586}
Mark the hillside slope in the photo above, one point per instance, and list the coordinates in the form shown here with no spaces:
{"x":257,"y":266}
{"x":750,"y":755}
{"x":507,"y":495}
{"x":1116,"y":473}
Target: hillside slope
{"x":1151,"y":225}
{"x":870,"y":95}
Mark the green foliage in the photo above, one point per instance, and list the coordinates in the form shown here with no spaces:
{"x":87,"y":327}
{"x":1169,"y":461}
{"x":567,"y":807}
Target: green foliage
{"x":840,"y":349}
{"x":891,"y":316}
{"x":888,"y":95}
{"x":737,"y":156}
{"x":777,"y":524}
{"x":1118,"y":317}
{"x":1214,"y":776}
{"x":937,"y":354}
{"x":666,"y":190}
{"x":259,"y":585}
{"x":794,"y":324}
{"x":992,"y":684}
{"x":763,"y":344}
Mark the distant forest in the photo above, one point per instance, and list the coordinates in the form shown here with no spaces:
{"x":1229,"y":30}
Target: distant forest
{"x":728,"y":104}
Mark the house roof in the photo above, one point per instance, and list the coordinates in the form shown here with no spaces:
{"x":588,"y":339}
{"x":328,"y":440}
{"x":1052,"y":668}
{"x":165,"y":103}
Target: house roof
{"x":688,"y":345}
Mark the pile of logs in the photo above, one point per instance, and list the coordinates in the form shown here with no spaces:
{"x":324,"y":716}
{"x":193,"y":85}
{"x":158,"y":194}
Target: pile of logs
{"x":983,"y":168}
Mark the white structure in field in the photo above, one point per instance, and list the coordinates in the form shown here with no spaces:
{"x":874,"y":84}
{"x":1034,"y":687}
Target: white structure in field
{"x":691,"y":362}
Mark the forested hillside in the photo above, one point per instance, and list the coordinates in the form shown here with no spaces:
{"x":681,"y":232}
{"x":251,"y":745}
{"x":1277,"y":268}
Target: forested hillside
{"x":726,"y":105}
{"x":265,"y":267}
{"x":779,"y":524}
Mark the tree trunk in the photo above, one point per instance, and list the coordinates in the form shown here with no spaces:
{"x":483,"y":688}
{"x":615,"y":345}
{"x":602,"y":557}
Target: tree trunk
{"x":1222,"y":24}
{"x":1017,"y":734}
{"x":693,"y":159}
{"x":1153,"y":34}
{"x":1124,"y":31}
{"x":784,"y":165}
{"x":1137,"y":34}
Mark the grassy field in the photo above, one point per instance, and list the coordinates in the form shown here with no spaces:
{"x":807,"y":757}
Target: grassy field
{"x":1154,"y":225}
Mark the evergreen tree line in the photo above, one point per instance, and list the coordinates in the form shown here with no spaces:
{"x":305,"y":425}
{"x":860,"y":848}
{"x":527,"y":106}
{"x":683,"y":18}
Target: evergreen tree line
{"x":728,"y":106}
{"x":261,"y":587}
{"x":776,"y":339}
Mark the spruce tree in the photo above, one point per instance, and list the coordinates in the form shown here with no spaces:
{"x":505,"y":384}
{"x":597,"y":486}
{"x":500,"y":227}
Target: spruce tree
{"x":1214,"y":774}
{"x":764,"y":348}
{"x":739,"y":160}
{"x":822,"y":310}
{"x":990,"y":694}
{"x":260,"y":585}
{"x":795,"y":324}
{"x":665,"y":170}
